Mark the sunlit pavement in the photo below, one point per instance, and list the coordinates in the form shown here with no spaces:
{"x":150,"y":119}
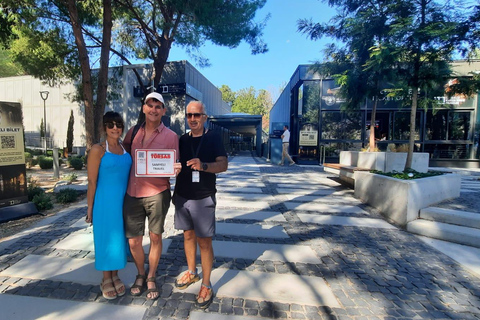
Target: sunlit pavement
{"x":291,"y":243}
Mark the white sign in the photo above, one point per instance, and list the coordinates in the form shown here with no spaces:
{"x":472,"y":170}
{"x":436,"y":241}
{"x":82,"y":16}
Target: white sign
{"x":154,"y":162}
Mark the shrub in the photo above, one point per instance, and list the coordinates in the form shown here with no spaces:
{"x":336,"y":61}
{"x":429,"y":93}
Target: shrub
{"x":35,"y":152}
{"x":67,"y":195}
{"x":402,"y":148}
{"x":76,"y":163}
{"x":34,"y":190}
{"x":42,"y":202}
{"x":45,"y":162}
{"x":50,"y":153}
{"x":28,"y":159}
{"x":70,"y":177}
{"x":408,"y":174}
{"x":34,"y":162}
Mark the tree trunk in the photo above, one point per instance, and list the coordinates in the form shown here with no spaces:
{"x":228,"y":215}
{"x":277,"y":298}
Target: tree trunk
{"x":158,"y":65}
{"x":161,"y":59}
{"x":373,"y":117}
{"x":86,"y":73}
{"x":103,"y":72}
{"x":411,"y":141}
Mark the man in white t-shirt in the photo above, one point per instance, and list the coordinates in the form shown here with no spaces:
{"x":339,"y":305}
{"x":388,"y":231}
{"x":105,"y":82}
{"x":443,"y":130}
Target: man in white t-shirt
{"x":285,"y":142}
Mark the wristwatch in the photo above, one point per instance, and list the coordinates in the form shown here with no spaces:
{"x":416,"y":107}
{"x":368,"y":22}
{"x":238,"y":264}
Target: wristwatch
{"x":204,"y":166}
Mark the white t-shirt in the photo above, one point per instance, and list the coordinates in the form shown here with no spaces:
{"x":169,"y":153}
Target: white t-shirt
{"x":286,"y":136}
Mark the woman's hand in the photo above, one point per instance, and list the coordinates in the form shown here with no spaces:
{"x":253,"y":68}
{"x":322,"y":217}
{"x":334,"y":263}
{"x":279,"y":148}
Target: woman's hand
{"x":88,"y":218}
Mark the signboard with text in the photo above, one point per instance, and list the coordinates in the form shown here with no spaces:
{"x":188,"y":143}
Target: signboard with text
{"x":13,"y":179}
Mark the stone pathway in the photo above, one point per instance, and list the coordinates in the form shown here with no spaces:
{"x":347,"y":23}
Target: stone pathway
{"x":291,"y":243}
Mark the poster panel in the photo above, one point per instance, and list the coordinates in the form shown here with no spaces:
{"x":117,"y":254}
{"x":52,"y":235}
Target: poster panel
{"x":13,"y":179}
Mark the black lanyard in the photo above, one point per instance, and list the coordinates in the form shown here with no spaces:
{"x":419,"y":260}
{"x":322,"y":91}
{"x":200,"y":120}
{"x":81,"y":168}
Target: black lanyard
{"x":195,"y":154}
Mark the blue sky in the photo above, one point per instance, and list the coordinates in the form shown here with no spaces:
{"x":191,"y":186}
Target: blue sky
{"x":288,"y":48}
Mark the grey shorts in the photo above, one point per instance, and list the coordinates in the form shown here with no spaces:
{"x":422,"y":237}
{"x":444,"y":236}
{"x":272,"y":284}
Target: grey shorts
{"x":136,"y":210}
{"x":198,"y":215}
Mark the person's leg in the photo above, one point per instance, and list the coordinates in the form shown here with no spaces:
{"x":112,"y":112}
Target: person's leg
{"x":134,"y":220}
{"x":118,"y":284}
{"x":153,"y":261}
{"x":204,"y":221}
{"x":206,"y":294}
{"x":156,"y":207}
{"x":206,"y":255}
{"x":190,"y":247}
{"x":287,"y":155}
{"x":283,"y":154}
{"x":184,"y":222}
{"x":107,"y":287}
{"x":138,"y":256}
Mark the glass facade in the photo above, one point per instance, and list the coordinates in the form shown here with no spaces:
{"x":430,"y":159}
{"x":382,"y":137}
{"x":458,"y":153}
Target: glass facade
{"x":321,"y":127}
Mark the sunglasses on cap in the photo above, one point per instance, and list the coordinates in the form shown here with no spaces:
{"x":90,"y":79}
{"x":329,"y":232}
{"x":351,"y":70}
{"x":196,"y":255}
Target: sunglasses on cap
{"x":195,"y":115}
{"x":112,"y":124}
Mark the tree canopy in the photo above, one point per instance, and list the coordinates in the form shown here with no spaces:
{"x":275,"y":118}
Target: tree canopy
{"x":70,"y":37}
{"x":249,"y":101}
{"x":406,"y":44}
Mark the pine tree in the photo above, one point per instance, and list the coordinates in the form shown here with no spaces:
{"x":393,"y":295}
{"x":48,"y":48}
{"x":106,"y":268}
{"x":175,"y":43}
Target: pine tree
{"x":71,"y":121}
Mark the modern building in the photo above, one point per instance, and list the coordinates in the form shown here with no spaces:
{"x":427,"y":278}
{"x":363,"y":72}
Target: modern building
{"x":180,"y":84}
{"x":319,"y":129}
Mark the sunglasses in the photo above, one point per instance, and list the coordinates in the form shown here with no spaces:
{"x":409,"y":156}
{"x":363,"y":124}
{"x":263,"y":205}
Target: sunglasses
{"x":110,"y":125}
{"x":195,"y":115}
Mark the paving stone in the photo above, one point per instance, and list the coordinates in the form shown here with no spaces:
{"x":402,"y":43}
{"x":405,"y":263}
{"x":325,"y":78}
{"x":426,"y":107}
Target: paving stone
{"x":375,"y":273}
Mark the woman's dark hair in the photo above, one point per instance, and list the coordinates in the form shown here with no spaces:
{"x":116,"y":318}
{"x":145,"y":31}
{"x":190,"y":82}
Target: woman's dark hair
{"x":112,"y":116}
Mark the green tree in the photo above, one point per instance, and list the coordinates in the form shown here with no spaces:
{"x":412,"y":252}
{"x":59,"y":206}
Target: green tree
{"x":144,"y":30}
{"x":408,"y":43}
{"x":8,"y":68}
{"x":423,"y":45}
{"x":42,"y":129}
{"x":227,"y":94}
{"x":71,"y":122}
{"x":149,"y":28}
{"x":55,"y":40}
{"x":357,"y":67}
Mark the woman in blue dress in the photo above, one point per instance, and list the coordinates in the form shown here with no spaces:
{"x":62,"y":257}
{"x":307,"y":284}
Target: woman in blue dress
{"x":108,"y":170}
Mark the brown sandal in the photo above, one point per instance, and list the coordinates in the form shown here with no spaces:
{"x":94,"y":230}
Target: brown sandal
{"x":140,"y":287}
{"x":153,"y":290}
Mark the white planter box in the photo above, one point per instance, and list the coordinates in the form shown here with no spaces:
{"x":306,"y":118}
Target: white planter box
{"x":384,"y":161}
{"x":401,"y":200}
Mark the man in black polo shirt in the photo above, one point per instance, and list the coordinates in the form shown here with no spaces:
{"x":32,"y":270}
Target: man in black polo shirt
{"x":202,"y":156}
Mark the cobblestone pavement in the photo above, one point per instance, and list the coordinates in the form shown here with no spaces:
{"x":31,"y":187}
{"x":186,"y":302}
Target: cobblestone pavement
{"x":373,"y":272}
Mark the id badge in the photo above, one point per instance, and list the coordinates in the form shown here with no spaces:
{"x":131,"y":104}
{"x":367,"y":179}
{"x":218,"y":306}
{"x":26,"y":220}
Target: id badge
{"x":195,"y":176}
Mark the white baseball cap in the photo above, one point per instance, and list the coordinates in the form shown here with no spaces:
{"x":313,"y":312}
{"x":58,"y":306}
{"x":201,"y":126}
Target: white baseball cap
{"x":155,"y":95}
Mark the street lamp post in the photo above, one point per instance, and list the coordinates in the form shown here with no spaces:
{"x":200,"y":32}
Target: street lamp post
{"x":44,"y":95}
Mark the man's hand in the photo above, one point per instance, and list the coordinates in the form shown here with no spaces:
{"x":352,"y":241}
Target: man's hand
{"x":177,"y":167}
{"x":195,"y":164}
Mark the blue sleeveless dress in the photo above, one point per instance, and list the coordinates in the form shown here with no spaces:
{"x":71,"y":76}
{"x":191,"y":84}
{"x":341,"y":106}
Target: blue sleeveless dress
{"x":108,"y":231}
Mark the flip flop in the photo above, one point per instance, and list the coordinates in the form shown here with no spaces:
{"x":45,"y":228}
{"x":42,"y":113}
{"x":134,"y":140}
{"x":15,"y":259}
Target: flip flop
{"x":141,"y":287}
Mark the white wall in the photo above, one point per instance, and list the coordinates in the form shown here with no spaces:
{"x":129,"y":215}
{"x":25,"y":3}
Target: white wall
{"x":25,"y":90}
